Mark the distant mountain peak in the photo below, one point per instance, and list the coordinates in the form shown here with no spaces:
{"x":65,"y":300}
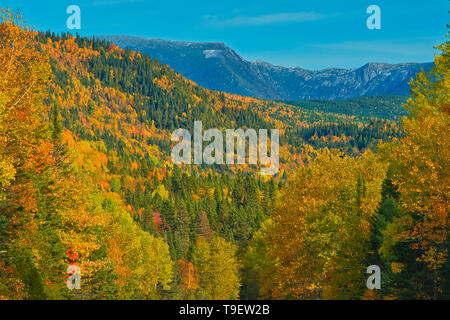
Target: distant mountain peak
{"x":216,"y":66}
{"x":261,"y":62}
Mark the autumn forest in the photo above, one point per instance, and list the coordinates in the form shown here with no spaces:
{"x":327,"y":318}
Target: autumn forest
{"x":86,"y":179}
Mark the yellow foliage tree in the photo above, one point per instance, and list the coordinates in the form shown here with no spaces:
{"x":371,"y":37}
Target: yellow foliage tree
{"x":320,"y":232}
{"x":422,"y":167}
{"x":218,"y":269}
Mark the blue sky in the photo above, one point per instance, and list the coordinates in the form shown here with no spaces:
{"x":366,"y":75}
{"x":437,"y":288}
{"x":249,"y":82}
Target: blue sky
{"x":310,"y":34}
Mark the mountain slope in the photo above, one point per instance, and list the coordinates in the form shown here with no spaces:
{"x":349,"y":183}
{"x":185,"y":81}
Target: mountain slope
{"x":218,"y":67}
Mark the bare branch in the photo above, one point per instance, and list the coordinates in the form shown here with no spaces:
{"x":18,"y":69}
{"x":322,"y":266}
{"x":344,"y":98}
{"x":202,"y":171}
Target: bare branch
{"x":23,"y":95}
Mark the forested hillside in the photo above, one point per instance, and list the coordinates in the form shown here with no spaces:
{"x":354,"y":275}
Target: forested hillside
{"x":386,"y":107}
{"x":86,"y":179}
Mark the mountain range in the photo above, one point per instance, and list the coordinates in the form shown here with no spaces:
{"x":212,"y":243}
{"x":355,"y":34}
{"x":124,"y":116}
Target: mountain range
{"x":218,"y":67}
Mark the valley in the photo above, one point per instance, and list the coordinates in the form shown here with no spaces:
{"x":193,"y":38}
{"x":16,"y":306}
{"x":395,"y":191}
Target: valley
{"x":87,"y":177}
